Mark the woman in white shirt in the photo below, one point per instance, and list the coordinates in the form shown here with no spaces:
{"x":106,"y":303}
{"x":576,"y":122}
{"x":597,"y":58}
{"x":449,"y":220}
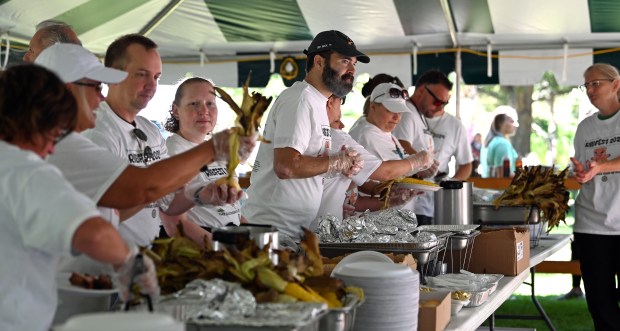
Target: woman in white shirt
{"x":374,"y":132}
{"x":43,"y":216}
{"x":193,"y":116}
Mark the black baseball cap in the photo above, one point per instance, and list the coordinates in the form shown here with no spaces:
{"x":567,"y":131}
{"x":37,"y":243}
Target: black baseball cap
{"x":335,"y":41}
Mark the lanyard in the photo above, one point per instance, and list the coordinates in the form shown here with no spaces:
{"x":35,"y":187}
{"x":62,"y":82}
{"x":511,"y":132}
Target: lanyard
{"x":400,"y":153}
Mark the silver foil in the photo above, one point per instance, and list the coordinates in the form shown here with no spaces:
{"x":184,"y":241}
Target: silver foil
{"x":386,"y":226}
{"x":214,"y":299}
{"x":267,"y":316}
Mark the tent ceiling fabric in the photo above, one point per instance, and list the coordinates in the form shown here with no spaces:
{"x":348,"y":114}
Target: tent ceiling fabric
{"x":528,"y":34}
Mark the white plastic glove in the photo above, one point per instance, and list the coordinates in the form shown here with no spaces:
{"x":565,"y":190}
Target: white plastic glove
{"x":222,"y":151}
{"x":213,"y":194}
{"x":348,"y":207}
{"x":400,"y":196}
{"x":420,"y":161}
{"x":431,"y":171}
{"x":346,"y":162}
{"x":146,"y":278}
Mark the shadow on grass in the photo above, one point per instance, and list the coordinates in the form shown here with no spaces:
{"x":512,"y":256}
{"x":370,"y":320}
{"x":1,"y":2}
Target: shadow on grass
{"x":565,"y":315}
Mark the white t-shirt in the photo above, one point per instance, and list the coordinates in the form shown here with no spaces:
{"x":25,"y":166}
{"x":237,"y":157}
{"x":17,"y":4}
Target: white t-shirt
{"x":209,"y":216}
{"x":449,"y":139}
{"x":115,"y":134}
{"x":40,"y":212}
{"x":597,"y":207}
{"x":412,"y":128}
{"x":334,"y":188}
{"x":91,"y":169}
{"x":380,"y":143}
{"x":298,"y":120}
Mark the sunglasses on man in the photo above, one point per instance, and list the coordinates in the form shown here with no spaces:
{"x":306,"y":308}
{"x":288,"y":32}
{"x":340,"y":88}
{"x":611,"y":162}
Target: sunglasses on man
{"x":436,"y":101}
{"x":147,"y":152}
{"x":394,"y":93}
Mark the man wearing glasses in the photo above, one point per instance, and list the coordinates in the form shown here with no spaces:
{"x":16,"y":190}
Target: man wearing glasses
{"x":429,"y":127}
{"x":287,"y":178}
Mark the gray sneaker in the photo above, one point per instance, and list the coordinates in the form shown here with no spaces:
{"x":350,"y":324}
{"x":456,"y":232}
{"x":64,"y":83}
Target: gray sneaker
{"x":575,"y":293}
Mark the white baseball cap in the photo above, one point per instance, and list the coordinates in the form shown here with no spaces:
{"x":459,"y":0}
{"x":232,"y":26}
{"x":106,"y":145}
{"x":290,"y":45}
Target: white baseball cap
{"x":73,"y":62}
{"x":392,"y":96}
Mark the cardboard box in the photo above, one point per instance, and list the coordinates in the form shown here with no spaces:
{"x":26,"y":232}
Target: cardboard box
{"x":504,"y":250}
{"x":432,"y":316}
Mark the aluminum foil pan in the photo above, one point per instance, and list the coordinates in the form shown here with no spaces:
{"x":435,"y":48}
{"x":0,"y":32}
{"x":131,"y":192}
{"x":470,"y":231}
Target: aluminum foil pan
{"x":269,"y":316}
{"x":455,"y":228}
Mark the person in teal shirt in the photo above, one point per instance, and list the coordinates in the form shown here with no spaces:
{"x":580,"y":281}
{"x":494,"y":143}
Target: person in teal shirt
{"x":497,"y":145}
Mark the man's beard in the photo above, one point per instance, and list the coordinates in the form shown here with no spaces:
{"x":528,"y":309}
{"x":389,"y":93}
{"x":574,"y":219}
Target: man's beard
{"x":337,"y":84}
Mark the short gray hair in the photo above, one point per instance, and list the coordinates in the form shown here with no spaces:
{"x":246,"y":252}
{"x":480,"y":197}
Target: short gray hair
{"x":55,"y":31}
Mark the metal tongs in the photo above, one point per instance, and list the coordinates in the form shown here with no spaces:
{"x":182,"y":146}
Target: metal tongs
{"x":138,"y":269}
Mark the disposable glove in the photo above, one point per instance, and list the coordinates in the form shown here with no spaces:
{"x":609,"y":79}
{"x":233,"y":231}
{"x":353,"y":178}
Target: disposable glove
{"x":420,"y":161}
{"x":145,"y":277}
{"x":213,"y":194}
{"x":431,"y":171}
{"x":348,"y":208}
{"x":400,"y":196}
{"x":346,"y":162}
{"x":222,"y":149}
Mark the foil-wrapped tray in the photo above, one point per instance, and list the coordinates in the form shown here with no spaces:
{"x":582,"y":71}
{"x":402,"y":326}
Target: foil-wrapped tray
{"x":341,"y":319}
{"x":381,"y":247}
{"x":454,"y":228}
{"x":268,"y":316}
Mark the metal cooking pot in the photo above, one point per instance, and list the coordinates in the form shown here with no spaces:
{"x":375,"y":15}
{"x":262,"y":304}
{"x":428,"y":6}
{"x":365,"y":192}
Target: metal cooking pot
{"x":262,"y":234}
{"x":453,"y":203}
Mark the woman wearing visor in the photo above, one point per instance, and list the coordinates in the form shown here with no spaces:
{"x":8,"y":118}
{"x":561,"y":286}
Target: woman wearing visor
{"x":374,"y":131}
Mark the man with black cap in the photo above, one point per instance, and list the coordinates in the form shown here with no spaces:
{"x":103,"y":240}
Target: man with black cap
{"x":287,"y":179}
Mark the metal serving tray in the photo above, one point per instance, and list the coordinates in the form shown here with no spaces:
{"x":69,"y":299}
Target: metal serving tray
{"x":460,"y":241}
{"x":454,"y":228}
{"x":341,"y":319}
{"x":485,"y":213}
{"x":379,"y":247}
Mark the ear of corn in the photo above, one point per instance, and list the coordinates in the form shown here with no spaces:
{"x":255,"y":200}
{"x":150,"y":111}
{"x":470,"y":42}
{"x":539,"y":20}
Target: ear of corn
{"x":247,"y":123}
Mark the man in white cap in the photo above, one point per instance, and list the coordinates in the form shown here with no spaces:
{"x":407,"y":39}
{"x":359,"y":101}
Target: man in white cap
{"x":106,"y":178}
{"x":287,"y":177}
{"x":374,"y":132}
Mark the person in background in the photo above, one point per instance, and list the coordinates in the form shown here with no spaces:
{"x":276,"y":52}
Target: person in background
{"x":374,"y":131}
{"x":43,"y":216}
{"x":193,"y":116}
{"x":575,"y":292}
{"x":497,"y":146}
{"x":339,"y":193}
{"x":134,"y":138}
{"x":287,"y":178}
{"x":476,"y":147}
{"x":447,"y":133}
{"x":597,"y":221}
{"x":47,"y":33}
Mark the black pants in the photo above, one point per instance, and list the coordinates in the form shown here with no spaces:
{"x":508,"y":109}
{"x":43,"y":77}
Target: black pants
{"x":599,"y":256}
{"x":574,"y":255}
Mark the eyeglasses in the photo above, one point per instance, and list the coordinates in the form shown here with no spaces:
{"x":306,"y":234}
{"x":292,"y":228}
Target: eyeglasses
{"x":62,"y":135}
{"x":437,"y":102}
{"x":97,"y":86}
{"x":147,"y":153}
{"x":394,"y":93}
{"x":594,"y":84}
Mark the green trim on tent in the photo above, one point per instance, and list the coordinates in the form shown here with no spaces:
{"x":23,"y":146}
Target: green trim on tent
{"x":612,"y":58}
{"x":443,"y":62}
{"x":604,"y":15}
{"x":2,"y":2}
{"x":265,"y":20}
{"x":261,"y":73}
{"x":474,"y":69}
{"x":472,"y":16}
{"x":95,"y":13}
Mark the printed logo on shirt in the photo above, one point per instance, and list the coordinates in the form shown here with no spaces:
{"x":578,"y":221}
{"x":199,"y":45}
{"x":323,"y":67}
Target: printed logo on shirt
{"x":327,"y":141}
{"x":137,"y":157}
{"x":217,"y":171}
{"x":256,"y":166}
{"x":222,"y":212}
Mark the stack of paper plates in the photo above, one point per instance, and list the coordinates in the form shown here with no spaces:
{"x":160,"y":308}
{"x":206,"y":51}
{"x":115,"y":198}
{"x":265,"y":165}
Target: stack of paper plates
{"x":391,"y":294}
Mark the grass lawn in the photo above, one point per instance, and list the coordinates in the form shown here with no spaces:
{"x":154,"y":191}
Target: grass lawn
{"x":566,"y":315}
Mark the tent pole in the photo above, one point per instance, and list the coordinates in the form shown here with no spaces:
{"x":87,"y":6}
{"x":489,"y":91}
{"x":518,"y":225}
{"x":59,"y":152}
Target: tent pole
{"x":458,"y":83}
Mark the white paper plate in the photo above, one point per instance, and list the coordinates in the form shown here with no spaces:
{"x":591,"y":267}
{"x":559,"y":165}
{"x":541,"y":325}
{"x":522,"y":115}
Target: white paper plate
{"x":374,"y":270}
{"x":63,"y":284}
{"x":361,"y":256}
{"x":420,"y":187}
